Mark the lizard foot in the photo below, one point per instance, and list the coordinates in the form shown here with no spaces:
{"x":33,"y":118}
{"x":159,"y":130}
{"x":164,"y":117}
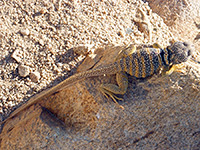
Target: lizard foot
{"x":112,"y":90}
{"x":107,"y":93}
{"x":177,"y":68}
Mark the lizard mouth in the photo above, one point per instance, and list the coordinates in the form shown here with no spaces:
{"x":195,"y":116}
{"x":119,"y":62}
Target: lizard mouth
{"x":181,"y":52}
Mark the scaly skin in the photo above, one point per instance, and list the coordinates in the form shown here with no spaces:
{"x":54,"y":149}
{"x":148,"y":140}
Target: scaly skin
{"x":138,"y":63}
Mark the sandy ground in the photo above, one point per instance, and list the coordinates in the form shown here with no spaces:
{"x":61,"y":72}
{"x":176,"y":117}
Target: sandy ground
{"x":36,"y":38}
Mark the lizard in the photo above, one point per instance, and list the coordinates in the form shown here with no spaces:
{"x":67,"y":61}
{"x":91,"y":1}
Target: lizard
{"x":140,"y":63}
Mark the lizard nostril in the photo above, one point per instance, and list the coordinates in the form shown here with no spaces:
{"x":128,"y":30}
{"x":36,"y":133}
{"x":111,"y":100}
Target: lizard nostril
{"x":185,"y":44}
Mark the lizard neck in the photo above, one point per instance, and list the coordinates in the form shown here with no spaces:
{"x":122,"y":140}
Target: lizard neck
{"x":165,"y":56}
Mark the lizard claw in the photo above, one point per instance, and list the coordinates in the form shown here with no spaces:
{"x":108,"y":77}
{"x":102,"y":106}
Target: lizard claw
{"x":114,"y":97}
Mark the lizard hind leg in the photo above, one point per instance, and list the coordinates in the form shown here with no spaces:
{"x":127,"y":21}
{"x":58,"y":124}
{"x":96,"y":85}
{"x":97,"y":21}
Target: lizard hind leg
{"x":112,"y":89}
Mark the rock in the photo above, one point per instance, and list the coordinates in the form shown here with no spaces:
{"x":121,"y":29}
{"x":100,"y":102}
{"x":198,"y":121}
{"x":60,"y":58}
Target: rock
{"x":158,"y":112}
{"x":81,"y":50}
{"x":179,"y":16}
{"x":16,"y":55}
{"x":41,"y":42}
{"x":23,"y":70}
{"x":144,"y":25}
{"x":35,"y":76}
{"x":25,"y":31}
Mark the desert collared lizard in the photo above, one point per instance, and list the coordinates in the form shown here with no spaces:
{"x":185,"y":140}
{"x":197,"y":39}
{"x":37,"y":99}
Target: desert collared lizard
{"x":140,"y":63}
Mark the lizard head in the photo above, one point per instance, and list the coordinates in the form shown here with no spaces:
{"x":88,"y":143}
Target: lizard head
{"x":180,"y":52}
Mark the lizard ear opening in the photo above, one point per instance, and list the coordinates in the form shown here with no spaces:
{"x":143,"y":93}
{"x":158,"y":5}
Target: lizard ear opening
{"x":189,"y":52}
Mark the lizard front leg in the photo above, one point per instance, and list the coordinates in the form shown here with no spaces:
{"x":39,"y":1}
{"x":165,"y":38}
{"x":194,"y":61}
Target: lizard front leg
{"x":175,"y":68}
{"x":126,"y":52}
{"x":112,"y":89}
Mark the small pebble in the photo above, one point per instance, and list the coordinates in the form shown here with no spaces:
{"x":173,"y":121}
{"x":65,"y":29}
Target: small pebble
{"x":129,"y":30}
{"x":49,"y":46}
{"x":11,"y":104}
{"x":15,"y":55}
{"x":59,"y":65}
{"x":43,"y":10}
{"x":81,"y":50}
{"x":23,"y":70}
{"x":35,"y":76}
{"x":1,"y":111}
{"x":25,"y":31}
{"x":120,"y":33}
{"x":41,"y":42}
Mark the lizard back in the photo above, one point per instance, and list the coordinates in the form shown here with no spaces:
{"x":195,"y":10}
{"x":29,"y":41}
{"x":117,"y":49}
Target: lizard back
{"x":147,"y":61}
{"x":144,"y":62}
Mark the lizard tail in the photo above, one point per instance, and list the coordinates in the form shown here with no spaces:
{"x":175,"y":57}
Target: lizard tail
{"x":109,"y":69}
